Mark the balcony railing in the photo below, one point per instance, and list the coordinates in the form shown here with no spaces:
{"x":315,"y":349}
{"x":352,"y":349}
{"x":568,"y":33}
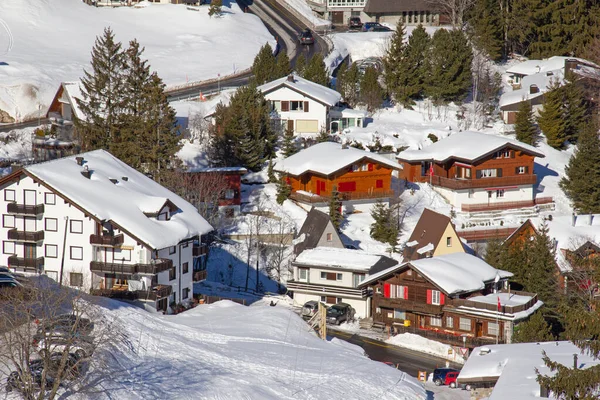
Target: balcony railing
{"x":505,"y":309}
{"x":152,"y":268}
{"x":456,"y":184}
{"x":33,"y":264}
{"x":107,"y":240}
{"x":326,"y":289}
{"x":506,"y":205}
{"x":408,"y":305}
{"x":200,"y":250}
{"x":344,"y":196}
{"x":155,"y":293}
{"x":15,"y":208}
{"x":200,"y":275}
{"x":23,"y":236}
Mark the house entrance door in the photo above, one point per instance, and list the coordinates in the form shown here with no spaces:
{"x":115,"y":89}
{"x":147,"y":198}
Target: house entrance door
{"x":320,"y":187}
{"x":30,"y":250}
{"x":478,"y":329}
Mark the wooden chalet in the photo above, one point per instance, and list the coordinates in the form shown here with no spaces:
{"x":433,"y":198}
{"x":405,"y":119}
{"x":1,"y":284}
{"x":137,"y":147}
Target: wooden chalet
{"x":578,"y":268}
{"x":317,"y":230}
{"x":357,"y":175}
{"x":433,"y":235}
{"x":455,"y":298}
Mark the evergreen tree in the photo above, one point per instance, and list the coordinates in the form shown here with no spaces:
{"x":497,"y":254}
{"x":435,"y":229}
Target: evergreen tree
{"x":551,"y":118}
{"x":575,"y":107}
{"x":300,"y":64}
{"x":533,"y":330}
{"x":323,"y":136}
{"x":340,"y":84}
{"x":264,"y":67}
{"x":494,"y":252}
{"x":370,"y":90}
{"x":316,"y":71}
{"x":486,"y":23}
{"x":289,"y":146}
{"x":385,"y":225}
{"x":412,"y":69}
{"x":393,"y":57}
{"x":284,"y":190}
{"x":335,"y":210}
{"x":347,"y":83}
{"x":282,"y":65}
{"x":102,"y":95}
{"x":215,"y":8}
{"x":525,"y":124}
{"x":271,"y":173}
{"x":581,"y":183}
{"x":538,"y":274}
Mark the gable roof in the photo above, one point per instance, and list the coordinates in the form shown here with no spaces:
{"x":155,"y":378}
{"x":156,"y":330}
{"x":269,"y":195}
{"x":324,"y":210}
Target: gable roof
{"x":467,"y":146}
{"x":123,"y":202}
{"x":525,"y":225}
{"x":326,"y":158}
{"x":397,"y":6}
{"x":348,"y":259}
{"x":313,"y":227}
{"x":318,"y":92}
{"x":453,"y":273}
{"x":429,"y":229}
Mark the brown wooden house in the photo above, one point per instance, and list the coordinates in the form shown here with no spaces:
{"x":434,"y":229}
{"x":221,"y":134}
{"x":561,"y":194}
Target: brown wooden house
{"x":314,"y":173}
{"x":433,"y":235}
{"x":579,"y":268}
{"x":476,"y":171}
{"x":454,"y":298}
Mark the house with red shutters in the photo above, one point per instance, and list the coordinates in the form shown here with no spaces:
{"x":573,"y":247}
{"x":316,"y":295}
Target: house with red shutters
{"x":220,"y":185}
{"x":454,"y":298}
{"x":476,"y":171}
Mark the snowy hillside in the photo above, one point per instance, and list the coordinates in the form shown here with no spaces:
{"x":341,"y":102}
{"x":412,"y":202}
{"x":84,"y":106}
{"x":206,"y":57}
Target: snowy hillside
{"x":228,"y":351}
{"x":44,"y":42}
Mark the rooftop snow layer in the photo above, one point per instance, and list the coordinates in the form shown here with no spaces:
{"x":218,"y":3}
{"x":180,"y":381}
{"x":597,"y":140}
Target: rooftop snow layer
{"x":506,"y":299}
{"x":462,"y":146}
{"x":123,"y":202}
{"x":340,"y":258}
{"x":531,"y":67}
{"x":515,"y":365}
{"x":73,"y":92}
{"x":543,"y":81}
{"x":327,"y":158}
{"x":310,"y":89}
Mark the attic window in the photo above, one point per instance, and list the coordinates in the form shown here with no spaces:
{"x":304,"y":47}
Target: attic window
{"x":125,"y":178}
{"x":549,"y":73}
{"x":114,"y":181}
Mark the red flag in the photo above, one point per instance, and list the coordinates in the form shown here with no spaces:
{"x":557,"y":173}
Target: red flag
{"x":431,"y":169}
{"x":499,"y":306}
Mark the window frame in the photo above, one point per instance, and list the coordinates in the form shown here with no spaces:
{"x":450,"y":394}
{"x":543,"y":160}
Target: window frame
{"x":77,"y":275}
{"x":434,"y":294}
{"x":172,"y":250}
{"x":72,"y":225}
{"x":185,"y":267}
{"x":448,"y":241}
{"x":51,"y":195}
{"x":185,"y":293}
{"x":8,"y":242}
{"x":449,"y":321}
{"x":438,"y":321}
{"x":496,"y":330}
{"x":299,"y":105}
{"x":229,"y":194}
{"x":47,"y":228}
{"x":330,"y":237}
{"x":460,"y":324}
{"x":6,"y":195}
{"x":74,"y":248}
{"x":300,"y":272}
{"x":46,"y":253}
{"x":4,"y":219}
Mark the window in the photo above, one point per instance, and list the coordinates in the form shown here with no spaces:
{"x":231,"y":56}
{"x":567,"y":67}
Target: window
{"x":229,"y":194}
{"x":8,"y":247}
{"x":399,"y":314}
{"x":499,"y":193}
{"x":49,"y":198}
{"x":172,"y":273}
{"x":122,"y":255}
{"x":185,"y":245}
{"x":302,"y":274}
{"x":358,"y":278}
{"x":330,"y":237}
{"x":355,"y":167}
{"x":398,"y":292}
{"x":449,"y":322}
{"x":172,"y":249}
{"x":339,"y":300}
{"x":323,"y":299}
{"x":51,"y":224}
{"x":185,"y":267}
{"x":76,"y":279}
{"x":76,"y":253}
{"x":492,"y":328}
{"x":185,"y":293}
{"x":9,"y":195}
{"x":8,"y":221}
{"x":52,"y":275}
{"x":522,"y":170}
{"x":76,"y":226}
{"x":435,"y":321}
{"x":296,"y":105}
{"x":163,"y":216}
{"x":390,"y":313}
{"x":471,"y":193}
{"x":409,"y":272}
{"x":465,"y":324}
{"x":51,"y":251}
{"x":378,"y":290}
{"x":364,"y":167}
{"x":488,"y":173}
{"x":339,"y":277}
{"x":449,"y":241}
{"x":377,"y":310}
{"x":435,"y":297}
{"x":276,"y":105}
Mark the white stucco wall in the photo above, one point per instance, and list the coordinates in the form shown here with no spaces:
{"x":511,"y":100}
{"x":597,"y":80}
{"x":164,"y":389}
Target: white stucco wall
{"x":316,"y":111}
{"x":480,"y":196}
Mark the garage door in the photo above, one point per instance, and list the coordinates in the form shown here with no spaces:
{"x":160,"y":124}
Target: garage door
{"x":307,"y":126}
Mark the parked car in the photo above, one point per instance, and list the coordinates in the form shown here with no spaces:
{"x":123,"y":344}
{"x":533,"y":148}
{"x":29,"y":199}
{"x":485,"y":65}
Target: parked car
{"x":340,"y":312}
{"x":9,"y":281}
{"x":36,"y":367}
{"x":368,"y":26}
{"x":306,"y":37}
{"x":310,"y":308}
{"x":354,"y":23}
{"x":5,"y":269}
{"x":380,"y":28}
{"x":65,"y":324}
{"x":439,"y":375}
{"x":81,"y":346}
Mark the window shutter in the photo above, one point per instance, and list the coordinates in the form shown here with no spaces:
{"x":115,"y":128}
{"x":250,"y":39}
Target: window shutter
{"x":428,"y":296}
{"x":478,"y":174}
{"x":379,"y":184}
{"x":285,"y":106}
{"x":306,"y":106}
{"x":370,"y":167}
{"x":499,"y":172}
{"x":386,"y":290}
{"x":406,"y":292}
{"x":512,"y":154}
{"x":526,"y":169}
{"x":442,"y":299}
{"x":516,"y":170}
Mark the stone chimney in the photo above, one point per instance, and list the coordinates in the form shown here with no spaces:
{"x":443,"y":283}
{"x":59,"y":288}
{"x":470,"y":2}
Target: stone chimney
{"x":79,"y":160}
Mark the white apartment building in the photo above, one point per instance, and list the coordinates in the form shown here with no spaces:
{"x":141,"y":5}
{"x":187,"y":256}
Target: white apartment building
{"x":94,"y":223}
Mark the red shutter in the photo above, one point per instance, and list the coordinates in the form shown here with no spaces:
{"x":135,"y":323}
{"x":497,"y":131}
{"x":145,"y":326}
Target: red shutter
{"x":406,"y":292}
{"x":323,"y":185}
{"x":370,"y":167}
{"x":285,"y":106}
{"x":386,"y":290}
{"x":428,"y":296}
{"x":347,"y":187}
{"x":442,"y":299}
{"x":379,"y":183}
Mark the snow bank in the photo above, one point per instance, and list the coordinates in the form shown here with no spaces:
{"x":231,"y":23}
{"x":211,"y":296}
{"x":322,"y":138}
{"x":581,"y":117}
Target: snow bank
{"x":419,"y":343}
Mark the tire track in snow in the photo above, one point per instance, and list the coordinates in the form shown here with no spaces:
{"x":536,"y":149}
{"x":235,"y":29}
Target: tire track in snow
{"x":11,"y":39}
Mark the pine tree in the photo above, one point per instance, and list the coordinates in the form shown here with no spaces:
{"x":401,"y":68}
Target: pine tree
{"x":370,"y":90}
{"x":284,"y":190}
{"x":551,"y":118}
{"x":494,"y":252}
{"x":289,"y":146}
{"x":412,"y":68}
{"x":486,"y":22}
{"x":347,"y":83}
{"x":539,"y":273}
{"x":323,"y":136}
{"x":575,"y":107}
{"x":340,"y":79}
{"x":393,"y":57}
{"x":385,"y":225}
{"x":316,"y":71}
{"x":282,"y":65}
{"x":215,"y":8}
{"x":264,"y":67}
{"x":300,"y":64}
{"x":581,"y":183}
{"x":271,"y":173}
{"x":525,"y":124}
{"x":102,"y":95}
{"x":335,"y":210}
{"x":536,"y":329}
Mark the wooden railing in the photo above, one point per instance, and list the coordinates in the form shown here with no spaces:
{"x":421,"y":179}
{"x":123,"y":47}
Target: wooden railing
{"x":484,"y":234}
{"x":506,"y":205}
{"x":344,"y":196}
{"x":34,"y":264}
{"x":23,"y":236}
{"x":505,"y":309}
{"x":159,"y":265}
{"x":14,"y":208}
{"x":200,"y":250}
{"x":155,"y":293}
{"x":200,"y":275}
{"x":326,"y":289}
{"x":455,"y":184}
{"x":107,"y":240}
{"x":455,"y":339}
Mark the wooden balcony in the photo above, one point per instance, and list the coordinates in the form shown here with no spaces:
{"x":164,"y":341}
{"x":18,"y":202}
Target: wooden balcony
{"x":326,"y":289}
{"x":200,"y":275}
{"x":344,"y":196}
{"x":23,"y":236}
{"x":107,"y":240}
{"x":23,"y":209}
{"x":152,"y":268}
{"x":408,"y":305}
{"x":27,"y":264}
{"x":505,"y":309}
{"x":458,"y":184}
{"x":506,"y":205}
{"x":155,"y":293}
{"x":201,"y":250}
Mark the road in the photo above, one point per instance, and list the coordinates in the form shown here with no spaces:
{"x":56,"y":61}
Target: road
{"x":409,"y":361}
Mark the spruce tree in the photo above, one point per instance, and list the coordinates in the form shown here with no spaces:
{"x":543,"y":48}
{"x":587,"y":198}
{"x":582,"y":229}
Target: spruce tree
{"x":264,"y":67}
{"x":102,"y":95}
{"x":340,"y":79}
{"x":323,"y":136}
{"x":581,"y":183}
{"x":335,"y":210}
{"x":289,"y":146}
{"x":300,"y":64}
{"x":347,"y":83}
{"x":486,"y":23}
{"x":494,"y":253}
{"x":271,"y":173}
{"x":284,"y":190}
{"x":393,"y":57}
{"x":536,"y":329}
{"x":370,"y":91}
{"x":525,"y":124}
{"x":385,"y":226}
{"x":215,"y":8}
{"x":551,"y":118}
{"x":282,"y":65}
{"x":575,"y":107}
{"x":539,"y":273}
{"x":316,"y":71}
{"x":412,"y":69}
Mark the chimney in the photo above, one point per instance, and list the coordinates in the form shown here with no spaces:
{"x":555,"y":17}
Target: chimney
{"x":290,"y":78}
{"x":574,"y":361}
{"x":113,"y":180}
{"x":79,"y":160}
{"x":124,"y":178}
{"x":86,"y":172}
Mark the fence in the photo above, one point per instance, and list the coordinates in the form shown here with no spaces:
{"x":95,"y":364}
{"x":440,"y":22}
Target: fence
{"x":485,"y":234}
{"x":506,"y":205}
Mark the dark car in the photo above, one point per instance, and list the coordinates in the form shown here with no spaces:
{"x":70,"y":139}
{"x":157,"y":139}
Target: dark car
{"x":340,"y":312}
{"x":65,"y":324}
{"x":354,"y":23}
{"x":306,"y":37}
{"x":368,"y":26}
{"x":7,"y":280}
{"x":439,"y":375}
{"x":380,"y":28}
{"x":36,"y":367}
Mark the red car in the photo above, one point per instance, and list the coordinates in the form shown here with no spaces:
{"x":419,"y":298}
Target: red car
{"x":451,"y":379}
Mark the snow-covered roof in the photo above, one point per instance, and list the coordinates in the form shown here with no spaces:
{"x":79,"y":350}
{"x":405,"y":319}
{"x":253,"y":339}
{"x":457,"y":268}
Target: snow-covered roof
{"x":318,"y":92}
{"x":347,"y":113}
{"x":461,"y":146}
{"x":543,"y":81}
{"x":426,"y":248}
{"x":338,"y":258}
{"x":506,"y":300}
{"x":123,"y":202}
{"x":74,"y":91}
{"x":240,"y":170}
{"x":531,"y":67}
{"x":326,"y":158}
{"x":515,"y":366}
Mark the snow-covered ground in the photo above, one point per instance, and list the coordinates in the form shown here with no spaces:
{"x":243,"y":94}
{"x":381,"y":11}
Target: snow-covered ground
{"x":45,"y":42}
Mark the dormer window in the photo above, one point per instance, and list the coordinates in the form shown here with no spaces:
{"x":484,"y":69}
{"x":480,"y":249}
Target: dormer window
{"x":164,"y":216}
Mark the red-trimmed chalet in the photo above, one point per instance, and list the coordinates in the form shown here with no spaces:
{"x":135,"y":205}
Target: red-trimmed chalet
{"x":222,"y":185}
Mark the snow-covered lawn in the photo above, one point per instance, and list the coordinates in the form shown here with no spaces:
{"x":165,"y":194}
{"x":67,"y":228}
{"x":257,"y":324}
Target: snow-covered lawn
{"x":44,"y":42}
